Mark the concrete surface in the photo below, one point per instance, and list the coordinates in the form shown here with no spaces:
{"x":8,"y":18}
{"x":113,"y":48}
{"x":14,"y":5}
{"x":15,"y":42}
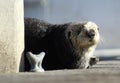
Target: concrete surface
{"x":65,"y":76}
{"x":11,"y":35}
{"x":106,"y":71}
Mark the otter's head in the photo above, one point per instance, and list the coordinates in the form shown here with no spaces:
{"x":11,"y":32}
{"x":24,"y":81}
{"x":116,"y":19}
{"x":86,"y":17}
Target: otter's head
{"x":83,"y":35}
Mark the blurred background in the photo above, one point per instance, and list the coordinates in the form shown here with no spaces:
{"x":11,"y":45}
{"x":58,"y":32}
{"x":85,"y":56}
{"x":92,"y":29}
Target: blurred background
{"x":105,"y":13}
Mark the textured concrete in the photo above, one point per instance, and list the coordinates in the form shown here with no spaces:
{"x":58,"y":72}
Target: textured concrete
{"x":106,"y":71}
{"x":64,"y":76}
{"x":11,"y":35}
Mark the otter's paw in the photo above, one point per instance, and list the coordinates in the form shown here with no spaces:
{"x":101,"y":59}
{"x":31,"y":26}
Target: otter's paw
{"x":93,"y":61}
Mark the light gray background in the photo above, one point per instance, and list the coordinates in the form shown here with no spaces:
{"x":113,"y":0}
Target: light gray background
{"x":105,"y":13}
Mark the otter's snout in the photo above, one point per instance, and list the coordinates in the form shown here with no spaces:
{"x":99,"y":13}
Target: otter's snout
{"x":91,"y":34}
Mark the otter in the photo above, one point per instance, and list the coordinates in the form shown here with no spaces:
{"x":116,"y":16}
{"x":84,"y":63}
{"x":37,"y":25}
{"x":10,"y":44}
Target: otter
{"x":67,"y":46}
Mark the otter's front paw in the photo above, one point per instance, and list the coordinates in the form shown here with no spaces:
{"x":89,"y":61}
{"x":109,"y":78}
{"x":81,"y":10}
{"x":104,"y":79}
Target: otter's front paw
{"x":93,"y":61}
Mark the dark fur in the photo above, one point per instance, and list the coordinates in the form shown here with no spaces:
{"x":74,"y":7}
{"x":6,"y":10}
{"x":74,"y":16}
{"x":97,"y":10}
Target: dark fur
{"x":51,"y":39}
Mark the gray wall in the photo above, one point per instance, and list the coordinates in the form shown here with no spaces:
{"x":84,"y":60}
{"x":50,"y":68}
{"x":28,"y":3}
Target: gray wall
{"x":106,"y":13}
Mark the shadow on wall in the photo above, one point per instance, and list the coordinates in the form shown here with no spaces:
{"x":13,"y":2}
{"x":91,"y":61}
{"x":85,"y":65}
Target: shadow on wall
{"x":108,"y":54}
{"x":109,"y":58}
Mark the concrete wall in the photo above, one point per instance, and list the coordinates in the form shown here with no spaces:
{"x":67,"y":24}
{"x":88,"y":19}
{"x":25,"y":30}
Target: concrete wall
{"x":11,"y":35}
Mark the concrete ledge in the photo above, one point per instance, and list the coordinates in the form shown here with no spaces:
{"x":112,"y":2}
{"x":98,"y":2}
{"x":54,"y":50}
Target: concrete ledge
{"x":64,"y":76}
{"x":106,"y":71}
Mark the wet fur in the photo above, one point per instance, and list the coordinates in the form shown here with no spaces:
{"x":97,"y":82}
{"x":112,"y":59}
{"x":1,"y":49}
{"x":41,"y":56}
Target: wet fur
{"x":59,"y":42}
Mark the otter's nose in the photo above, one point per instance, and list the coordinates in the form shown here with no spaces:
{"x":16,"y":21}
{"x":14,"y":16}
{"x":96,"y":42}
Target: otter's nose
{"x":91,"y":34}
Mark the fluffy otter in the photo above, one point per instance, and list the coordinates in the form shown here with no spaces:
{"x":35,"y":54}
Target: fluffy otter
{"x":67,"y":46}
